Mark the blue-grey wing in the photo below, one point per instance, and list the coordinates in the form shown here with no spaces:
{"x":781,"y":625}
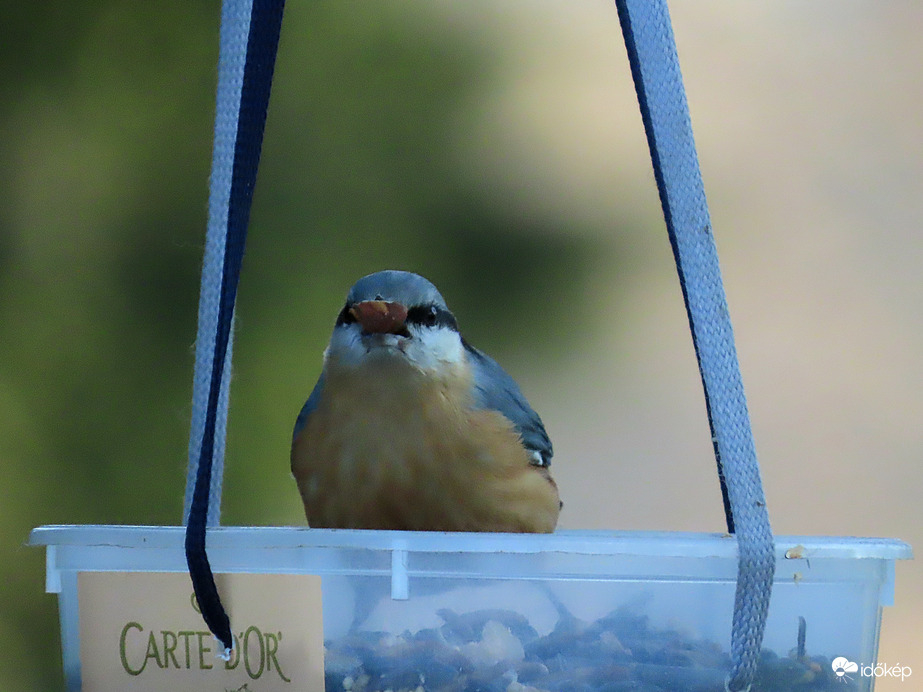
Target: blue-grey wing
{"x":495,"y":389}
{"x":309,"y":406}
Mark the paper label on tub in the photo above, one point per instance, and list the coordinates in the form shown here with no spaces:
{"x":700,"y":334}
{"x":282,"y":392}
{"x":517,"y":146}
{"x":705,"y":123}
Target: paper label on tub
{"x":142,"y":631}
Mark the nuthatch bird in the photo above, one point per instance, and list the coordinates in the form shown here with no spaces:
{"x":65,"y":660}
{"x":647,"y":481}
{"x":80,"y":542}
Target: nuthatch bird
{"x":409,"y":427}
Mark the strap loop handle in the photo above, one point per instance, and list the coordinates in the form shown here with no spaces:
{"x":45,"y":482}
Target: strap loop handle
{"x":249,"y":40}
{"x":658,"y":81}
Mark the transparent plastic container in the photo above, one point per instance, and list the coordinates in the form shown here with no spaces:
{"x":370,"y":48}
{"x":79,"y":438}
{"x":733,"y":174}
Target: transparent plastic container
{"x":570,"y":611}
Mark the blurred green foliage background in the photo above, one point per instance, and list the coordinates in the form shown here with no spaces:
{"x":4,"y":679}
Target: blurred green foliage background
{"x":105,"y":143}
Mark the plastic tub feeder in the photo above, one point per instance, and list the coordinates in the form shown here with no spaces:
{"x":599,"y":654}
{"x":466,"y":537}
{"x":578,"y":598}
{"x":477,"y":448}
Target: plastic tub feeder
{"x":575,"y":610}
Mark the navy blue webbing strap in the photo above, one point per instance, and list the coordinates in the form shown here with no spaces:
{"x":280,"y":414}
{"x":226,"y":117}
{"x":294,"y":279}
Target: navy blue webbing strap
{"x":249,"y":39}
{"x":651,"y":48}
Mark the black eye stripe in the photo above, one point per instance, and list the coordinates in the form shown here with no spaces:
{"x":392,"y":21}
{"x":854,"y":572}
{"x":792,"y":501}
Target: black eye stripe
{"x":345,"y":316}
{"x":423,"y":315}
{"x":431,"y":316}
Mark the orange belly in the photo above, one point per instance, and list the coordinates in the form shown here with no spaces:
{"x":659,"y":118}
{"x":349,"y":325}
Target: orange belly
{"x":388,"y":448}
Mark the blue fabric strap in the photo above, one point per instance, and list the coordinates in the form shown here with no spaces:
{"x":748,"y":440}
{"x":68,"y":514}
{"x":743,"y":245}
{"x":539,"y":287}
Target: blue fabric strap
{"x":249,"y":39}
{"x":655,"y":68}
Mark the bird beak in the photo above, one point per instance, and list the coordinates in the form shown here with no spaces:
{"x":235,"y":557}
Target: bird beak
{"x":380,"y":317}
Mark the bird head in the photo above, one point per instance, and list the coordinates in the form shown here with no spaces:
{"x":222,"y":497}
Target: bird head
{"x":396,"y":316}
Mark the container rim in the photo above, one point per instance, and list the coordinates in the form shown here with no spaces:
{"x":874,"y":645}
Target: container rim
{"x":586,"y":542}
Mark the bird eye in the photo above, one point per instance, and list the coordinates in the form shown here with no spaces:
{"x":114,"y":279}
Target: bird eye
{"x":431,"y":316}
{"x":345,"y":316}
